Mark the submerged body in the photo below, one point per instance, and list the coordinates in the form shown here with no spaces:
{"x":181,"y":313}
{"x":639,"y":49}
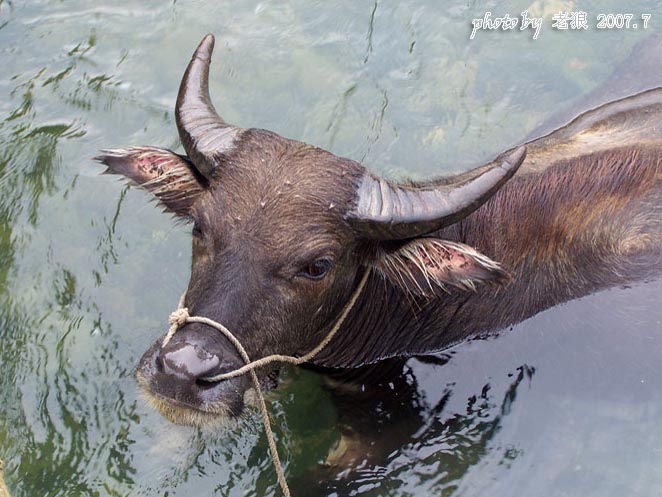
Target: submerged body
{"x":583,"y":213}
{"x":283,"y":232}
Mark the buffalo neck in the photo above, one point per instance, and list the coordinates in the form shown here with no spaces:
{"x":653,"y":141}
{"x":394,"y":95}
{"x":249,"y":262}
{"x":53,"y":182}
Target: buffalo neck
{"x":562,"y":230}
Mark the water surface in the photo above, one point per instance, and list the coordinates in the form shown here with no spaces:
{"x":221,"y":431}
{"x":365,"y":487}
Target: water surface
{"x":567,"y":403}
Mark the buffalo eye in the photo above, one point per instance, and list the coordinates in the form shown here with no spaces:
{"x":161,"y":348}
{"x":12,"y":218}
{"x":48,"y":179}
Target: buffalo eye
{"x":317,"y":269}
{"x":197,"y":230}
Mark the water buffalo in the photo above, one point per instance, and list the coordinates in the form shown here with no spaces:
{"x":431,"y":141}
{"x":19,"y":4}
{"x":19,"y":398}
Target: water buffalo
{"x":283,"y":231}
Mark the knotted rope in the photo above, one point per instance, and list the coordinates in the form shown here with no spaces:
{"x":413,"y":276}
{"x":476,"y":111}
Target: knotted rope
{"x":181,"y":316}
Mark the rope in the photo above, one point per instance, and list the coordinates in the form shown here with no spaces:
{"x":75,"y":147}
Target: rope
{"x":181,"y":316}
{"x":4,"y":492}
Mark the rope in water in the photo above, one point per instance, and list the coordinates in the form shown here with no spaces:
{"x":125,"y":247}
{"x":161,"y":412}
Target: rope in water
{"x":181,"y":317}
{"x":4,"y":492}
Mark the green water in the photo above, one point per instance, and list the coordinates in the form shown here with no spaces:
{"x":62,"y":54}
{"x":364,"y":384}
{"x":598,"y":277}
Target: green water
{"x":567,"y":404}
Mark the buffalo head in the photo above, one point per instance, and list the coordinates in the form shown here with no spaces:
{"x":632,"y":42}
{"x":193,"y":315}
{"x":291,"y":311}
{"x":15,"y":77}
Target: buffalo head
{"x":282,"y":232}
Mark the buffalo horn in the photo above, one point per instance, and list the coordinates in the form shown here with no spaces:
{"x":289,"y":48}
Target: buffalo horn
{"x":205,"y":136}
{"x":387,"y":211}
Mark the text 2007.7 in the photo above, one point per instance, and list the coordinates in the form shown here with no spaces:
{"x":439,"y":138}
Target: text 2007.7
{"x":620,"y":21}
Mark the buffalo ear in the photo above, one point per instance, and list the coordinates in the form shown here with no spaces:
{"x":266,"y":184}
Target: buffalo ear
{"x":424,"y":265}
{"x":170,"y":177}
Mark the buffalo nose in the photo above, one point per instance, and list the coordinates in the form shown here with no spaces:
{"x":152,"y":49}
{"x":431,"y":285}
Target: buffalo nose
{"x":188,"y":361}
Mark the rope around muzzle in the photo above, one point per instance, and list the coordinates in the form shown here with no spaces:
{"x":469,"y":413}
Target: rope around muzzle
{"x":181,"y":316}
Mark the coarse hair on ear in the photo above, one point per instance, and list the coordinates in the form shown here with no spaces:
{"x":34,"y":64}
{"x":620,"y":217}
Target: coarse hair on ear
{"x":425,"y":265}
{"x":170,"y":177}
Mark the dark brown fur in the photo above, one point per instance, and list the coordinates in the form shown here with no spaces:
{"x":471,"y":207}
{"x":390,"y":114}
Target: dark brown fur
{"x":582,"y":214}
{"x":562,"y":229}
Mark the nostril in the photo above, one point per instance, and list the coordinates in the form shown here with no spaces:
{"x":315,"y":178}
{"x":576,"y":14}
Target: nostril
{"x":158,"y":362}
{"x":188,"y":361}
{"x":203,"y":384}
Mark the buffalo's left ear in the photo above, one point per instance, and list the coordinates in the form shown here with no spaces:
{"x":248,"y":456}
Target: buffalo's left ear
{"x":170,"y":177}
{"x":424,"y":265}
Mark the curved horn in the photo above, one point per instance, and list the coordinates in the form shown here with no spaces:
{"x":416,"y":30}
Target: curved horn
{"x":384,"y":211}
{"x":205,"y":136}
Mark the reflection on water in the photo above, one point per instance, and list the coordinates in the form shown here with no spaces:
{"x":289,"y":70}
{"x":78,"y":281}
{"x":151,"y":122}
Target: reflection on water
{"x":390,"y":431}
{"x":566,"y":404}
